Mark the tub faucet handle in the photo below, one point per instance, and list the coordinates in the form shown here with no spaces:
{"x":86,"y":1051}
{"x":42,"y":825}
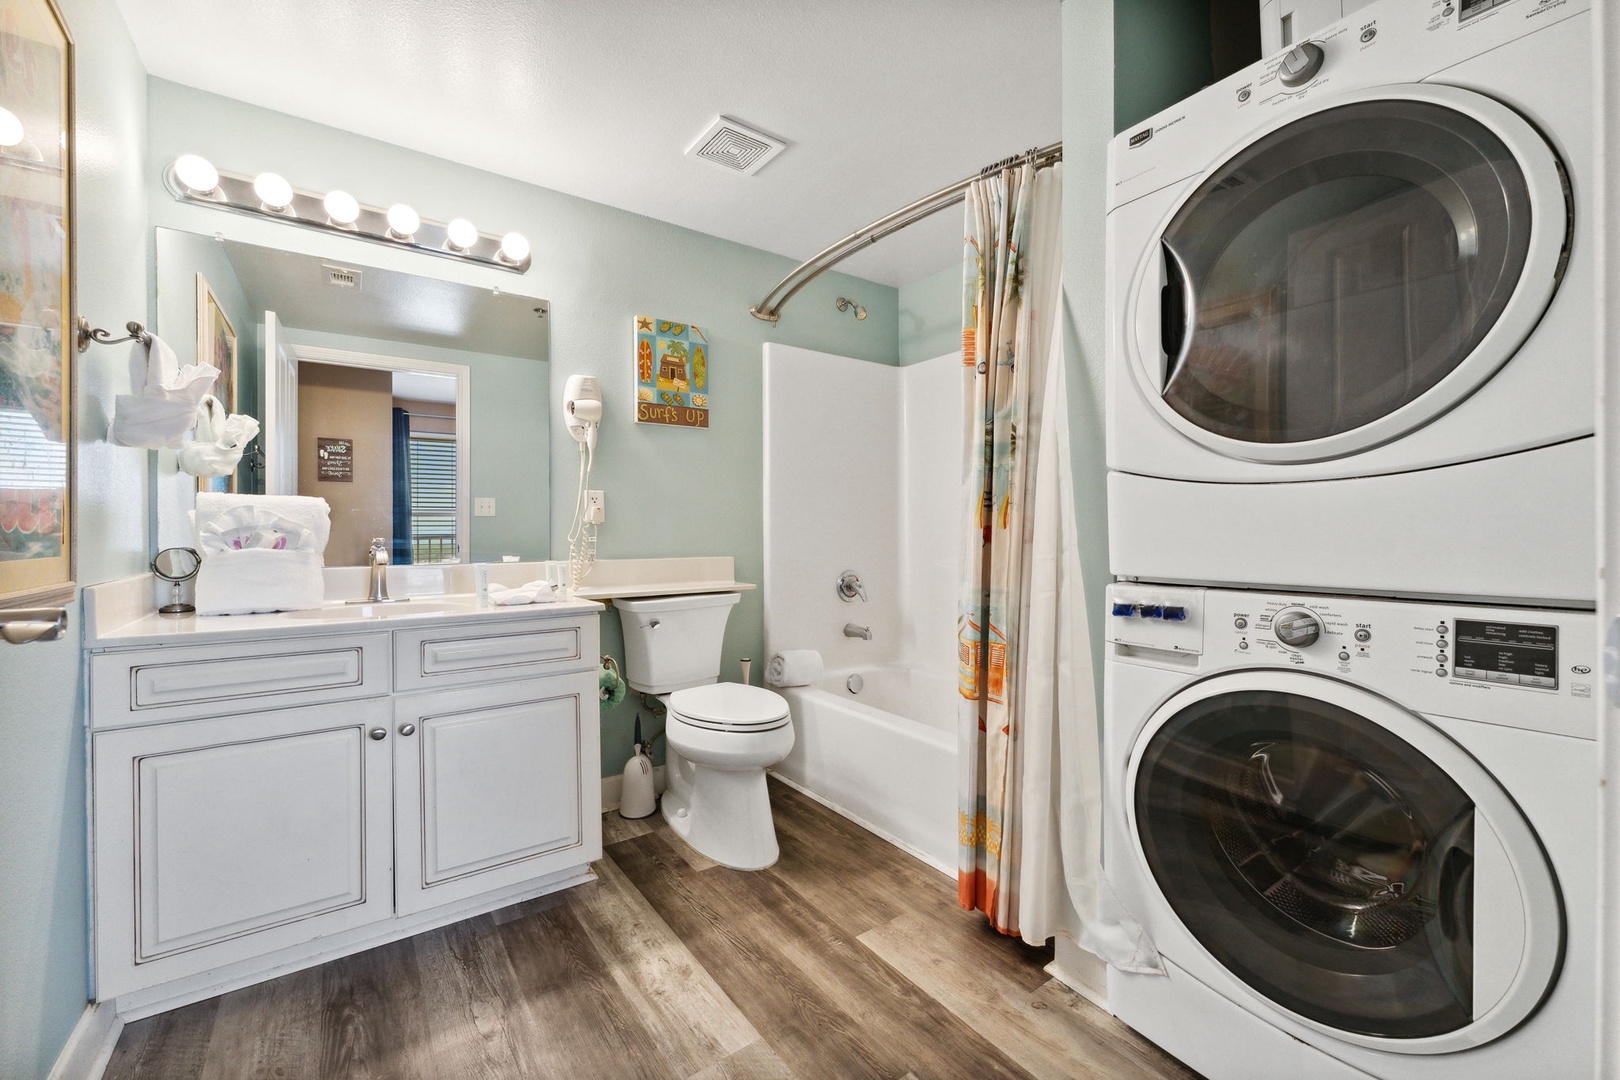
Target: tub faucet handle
{"x":850,"y":587}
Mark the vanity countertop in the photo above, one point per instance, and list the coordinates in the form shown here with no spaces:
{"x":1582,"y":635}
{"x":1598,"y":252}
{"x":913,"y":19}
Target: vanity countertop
{"x":115,"y":617}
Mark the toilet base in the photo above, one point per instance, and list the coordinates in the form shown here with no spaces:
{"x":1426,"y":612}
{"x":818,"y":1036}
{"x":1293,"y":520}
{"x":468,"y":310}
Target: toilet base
{"x":723,"y":814}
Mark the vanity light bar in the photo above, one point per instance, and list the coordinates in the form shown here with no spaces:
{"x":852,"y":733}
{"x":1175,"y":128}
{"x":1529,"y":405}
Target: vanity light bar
{"x":270,"y":196}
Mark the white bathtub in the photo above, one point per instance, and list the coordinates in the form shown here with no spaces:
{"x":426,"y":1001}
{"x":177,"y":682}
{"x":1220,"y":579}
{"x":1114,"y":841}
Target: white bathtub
{"x":884,"y":757}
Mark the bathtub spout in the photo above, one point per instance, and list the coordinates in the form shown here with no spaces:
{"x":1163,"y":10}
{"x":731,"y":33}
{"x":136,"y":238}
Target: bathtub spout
{"x":862,"y":632}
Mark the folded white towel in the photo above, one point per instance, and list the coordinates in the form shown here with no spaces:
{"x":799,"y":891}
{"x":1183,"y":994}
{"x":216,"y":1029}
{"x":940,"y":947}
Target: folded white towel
{"x":794,"y":667}
{"x":162,"y":404}
{"x":241,"y":582}
{"x":310,"y":513}
{"x":150,"y":423}
{"x":535,"y":592}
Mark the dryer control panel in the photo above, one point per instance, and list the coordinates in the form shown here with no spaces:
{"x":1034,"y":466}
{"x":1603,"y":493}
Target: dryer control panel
{"x":1531,"y":668}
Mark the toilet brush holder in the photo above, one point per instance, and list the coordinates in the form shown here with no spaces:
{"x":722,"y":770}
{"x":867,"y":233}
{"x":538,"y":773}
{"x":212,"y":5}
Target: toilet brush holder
{"x":636,"y":797}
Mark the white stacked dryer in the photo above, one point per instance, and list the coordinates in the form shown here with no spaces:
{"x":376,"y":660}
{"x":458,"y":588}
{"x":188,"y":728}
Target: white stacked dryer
{"x":1351,"y":289}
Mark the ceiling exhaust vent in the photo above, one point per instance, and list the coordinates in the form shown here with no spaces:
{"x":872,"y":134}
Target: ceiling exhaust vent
{"x":344,"y":277}
{"x":735,"y":146}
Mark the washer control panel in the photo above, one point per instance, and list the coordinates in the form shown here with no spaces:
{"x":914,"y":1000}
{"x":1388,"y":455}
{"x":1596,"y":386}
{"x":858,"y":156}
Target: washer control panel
{"x":1530,"y":668}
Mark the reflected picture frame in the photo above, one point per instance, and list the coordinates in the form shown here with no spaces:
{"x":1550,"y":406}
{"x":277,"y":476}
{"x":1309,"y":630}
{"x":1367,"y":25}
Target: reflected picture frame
{"x":217,"y":347}
{"x":37,"y":305}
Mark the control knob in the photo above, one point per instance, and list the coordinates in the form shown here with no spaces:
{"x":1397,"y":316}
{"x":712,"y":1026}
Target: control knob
{"x":1300,"y":65}
{"x":1296,"y":628}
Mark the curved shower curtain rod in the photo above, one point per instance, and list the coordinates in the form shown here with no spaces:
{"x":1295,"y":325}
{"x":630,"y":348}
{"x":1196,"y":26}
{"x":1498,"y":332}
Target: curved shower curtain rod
{"x":770,"y":308}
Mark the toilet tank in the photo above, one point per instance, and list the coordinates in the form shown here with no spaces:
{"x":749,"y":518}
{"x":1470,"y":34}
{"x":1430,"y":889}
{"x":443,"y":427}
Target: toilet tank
{"x":672,"y":642}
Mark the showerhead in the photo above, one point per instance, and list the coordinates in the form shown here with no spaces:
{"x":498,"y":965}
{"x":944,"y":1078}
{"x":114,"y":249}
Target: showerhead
{"x":846,"y":304}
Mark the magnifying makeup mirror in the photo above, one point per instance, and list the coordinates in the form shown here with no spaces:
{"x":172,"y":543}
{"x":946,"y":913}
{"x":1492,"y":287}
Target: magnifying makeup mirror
{"x":176,"y":565}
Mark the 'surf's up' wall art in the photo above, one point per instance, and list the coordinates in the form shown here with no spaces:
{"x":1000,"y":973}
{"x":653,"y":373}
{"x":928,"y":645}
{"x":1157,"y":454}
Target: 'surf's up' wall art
{"x":672,"y":373}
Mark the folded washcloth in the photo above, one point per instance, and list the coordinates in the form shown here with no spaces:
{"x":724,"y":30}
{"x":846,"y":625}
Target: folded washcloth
{"x":162,"y":405}
{"x":535,"y":592}
{"x":794,"y":667}
{"x":300,"y":510}
{"x":241,"y":582}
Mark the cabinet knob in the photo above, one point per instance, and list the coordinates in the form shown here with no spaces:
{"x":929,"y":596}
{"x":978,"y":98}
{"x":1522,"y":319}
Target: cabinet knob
{"x":407,"y":730}
{"x":379,"y":733}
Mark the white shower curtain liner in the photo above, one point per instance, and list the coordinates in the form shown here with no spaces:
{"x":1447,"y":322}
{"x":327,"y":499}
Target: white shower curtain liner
{"x":1053,"y":810}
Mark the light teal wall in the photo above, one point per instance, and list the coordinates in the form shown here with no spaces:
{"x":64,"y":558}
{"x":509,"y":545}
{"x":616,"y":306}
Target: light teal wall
{"x":1161,"y":53}
{"x":43,"y":926}
{"x":180,"y":258}
{"x":1089,"y":34}
{"x":931,"y":315}
{"x":669,"y":491}
{"x":512,"y":424}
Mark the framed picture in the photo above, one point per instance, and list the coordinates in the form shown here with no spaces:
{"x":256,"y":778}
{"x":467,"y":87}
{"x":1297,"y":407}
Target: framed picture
{"x":672,"y":373}
{"x":216,"y":345}
{"x":36,"y":305}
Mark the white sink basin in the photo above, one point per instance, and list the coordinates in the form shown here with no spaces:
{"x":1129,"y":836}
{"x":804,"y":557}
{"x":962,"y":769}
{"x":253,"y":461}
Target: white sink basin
{"x":402,"y":609}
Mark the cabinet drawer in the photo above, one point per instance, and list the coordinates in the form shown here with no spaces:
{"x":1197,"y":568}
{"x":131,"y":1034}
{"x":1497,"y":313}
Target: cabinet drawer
{"x":153,"y":685}
{"x":468,"y":655}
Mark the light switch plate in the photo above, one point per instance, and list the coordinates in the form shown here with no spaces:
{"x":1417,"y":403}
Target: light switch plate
{"x":483,"y":508}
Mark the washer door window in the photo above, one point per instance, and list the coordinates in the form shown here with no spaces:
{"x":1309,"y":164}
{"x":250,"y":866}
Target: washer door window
{"x":1352,"y":274}
{"x":1346,"y":861}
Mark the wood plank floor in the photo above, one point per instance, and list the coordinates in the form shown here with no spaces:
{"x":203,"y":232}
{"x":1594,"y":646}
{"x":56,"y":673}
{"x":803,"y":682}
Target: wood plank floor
{"x":848,"y":958}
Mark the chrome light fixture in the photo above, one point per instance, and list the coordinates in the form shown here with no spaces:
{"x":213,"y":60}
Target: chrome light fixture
{"x":192,"y":178}
{"x":274,"y":193}
{"x":197,"y":174}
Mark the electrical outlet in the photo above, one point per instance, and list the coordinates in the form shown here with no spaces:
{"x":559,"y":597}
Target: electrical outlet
{"x":595,"y":507}
{"x":483,"y":508}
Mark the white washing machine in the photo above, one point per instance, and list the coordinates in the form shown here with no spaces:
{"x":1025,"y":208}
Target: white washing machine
{"x":1361,"y":832}
{"x":1352,"y":299}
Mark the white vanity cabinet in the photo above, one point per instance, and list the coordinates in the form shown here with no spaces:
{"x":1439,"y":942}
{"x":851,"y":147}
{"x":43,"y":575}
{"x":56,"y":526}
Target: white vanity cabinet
{"x":263,"y":804}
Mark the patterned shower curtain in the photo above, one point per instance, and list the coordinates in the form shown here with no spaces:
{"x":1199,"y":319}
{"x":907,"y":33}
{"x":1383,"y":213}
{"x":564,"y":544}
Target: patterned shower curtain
{"x":1008,"y":860}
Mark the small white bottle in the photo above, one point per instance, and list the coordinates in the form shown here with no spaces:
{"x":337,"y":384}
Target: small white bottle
{"x":481,"y":577}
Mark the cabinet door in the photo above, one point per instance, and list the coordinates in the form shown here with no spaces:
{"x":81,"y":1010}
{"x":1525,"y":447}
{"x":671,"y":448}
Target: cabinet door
{"x":220,"y":840}
{"x":489,"y":790}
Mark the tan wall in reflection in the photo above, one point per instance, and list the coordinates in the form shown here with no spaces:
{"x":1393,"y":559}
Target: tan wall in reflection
{"x":349,"y":403}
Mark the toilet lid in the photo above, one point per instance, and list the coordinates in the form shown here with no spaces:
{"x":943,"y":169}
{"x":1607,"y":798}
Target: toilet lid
{"x":729,"y":707}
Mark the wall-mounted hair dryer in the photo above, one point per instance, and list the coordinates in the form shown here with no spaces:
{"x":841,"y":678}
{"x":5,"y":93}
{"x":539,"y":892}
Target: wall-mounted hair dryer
{"x":582,"y":412}
{"x":582,"y":408}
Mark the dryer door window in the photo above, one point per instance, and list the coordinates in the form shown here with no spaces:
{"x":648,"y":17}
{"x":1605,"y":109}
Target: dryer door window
{"x":1328,"y":863}
{"x":1350,"y":265}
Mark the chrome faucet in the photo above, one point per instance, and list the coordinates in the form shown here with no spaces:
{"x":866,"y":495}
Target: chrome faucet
{"x":377,"y":557}
{"x":862,"y":632}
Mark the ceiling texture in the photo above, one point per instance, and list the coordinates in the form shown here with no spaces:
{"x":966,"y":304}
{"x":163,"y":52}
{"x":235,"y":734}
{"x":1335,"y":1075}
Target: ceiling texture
{"x":879,"y":101}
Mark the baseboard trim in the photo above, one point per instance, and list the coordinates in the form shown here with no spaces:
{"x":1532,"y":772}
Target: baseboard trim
{"x":90,"y":1046}
{"x":613,"y":788}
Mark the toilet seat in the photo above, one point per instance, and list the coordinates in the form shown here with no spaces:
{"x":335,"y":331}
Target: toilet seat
{"x":732,"y":707}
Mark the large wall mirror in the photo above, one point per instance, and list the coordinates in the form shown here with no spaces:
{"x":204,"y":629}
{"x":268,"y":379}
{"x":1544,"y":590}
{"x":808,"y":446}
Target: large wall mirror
{"x":399,"y":399}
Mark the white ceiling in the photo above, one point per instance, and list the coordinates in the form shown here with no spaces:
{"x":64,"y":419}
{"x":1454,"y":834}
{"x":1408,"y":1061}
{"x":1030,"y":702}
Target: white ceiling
{"x":880,"y":101}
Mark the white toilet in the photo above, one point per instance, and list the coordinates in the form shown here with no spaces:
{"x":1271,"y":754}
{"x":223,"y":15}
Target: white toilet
{"x":720,"y":737}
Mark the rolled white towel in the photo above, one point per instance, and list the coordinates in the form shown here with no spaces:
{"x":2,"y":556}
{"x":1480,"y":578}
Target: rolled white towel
{"x":311,"y":513}
{"x":794,"y":667}
{"x":535,"y":592}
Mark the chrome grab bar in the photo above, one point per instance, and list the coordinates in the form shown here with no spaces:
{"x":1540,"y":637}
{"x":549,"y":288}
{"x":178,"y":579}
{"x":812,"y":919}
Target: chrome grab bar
{"x":19,"y":626}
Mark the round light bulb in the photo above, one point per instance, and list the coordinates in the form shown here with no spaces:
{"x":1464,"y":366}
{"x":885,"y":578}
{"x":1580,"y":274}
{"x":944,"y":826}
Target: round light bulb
{"x":341,"y":208}
{"x":462,"y":233}
{"x":195,"y":172}
{"x":403,"y":221}
{"x":514,"y":247}
{"x":273,"y":190}
{"x":11,"y":129}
